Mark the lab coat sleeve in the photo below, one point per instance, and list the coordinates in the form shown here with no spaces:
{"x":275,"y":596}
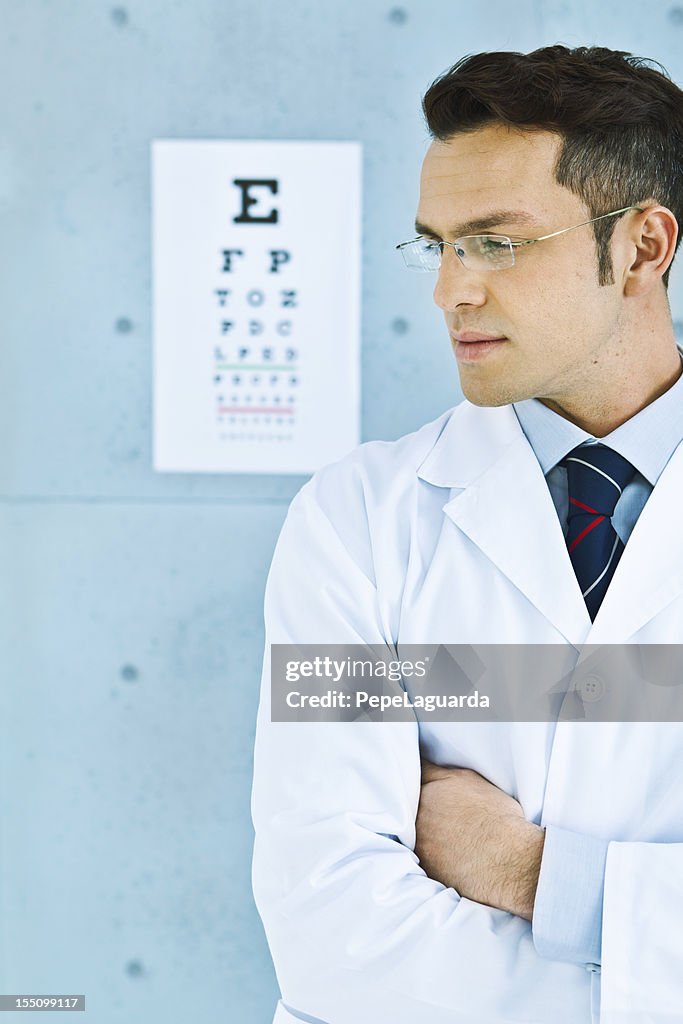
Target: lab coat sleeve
{"x":642,"y":951}
{"x":357,"y":931}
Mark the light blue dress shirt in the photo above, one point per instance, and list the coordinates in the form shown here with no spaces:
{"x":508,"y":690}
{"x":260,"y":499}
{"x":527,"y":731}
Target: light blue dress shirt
{"x":567,"y":916}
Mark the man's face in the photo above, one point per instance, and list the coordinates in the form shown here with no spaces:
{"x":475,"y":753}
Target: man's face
{"x":561,"y":329}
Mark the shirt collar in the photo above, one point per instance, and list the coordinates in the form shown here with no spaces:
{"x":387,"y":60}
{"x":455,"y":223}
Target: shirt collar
{"x":647,"y":439}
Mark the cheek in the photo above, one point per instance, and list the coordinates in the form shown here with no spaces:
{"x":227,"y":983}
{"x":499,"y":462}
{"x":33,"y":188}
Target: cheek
{"x":528,"y":304}
{"x":554,"y":296}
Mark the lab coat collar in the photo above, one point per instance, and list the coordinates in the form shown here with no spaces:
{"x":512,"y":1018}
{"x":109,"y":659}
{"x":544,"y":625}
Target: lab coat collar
{"x":650,"y":571}
{"x":500,"y":499}
{"x":471,"y":440}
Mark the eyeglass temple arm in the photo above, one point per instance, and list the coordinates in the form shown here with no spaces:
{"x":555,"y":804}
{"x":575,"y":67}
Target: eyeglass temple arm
{"x":541,"y":238}
{"x":552,"y":234}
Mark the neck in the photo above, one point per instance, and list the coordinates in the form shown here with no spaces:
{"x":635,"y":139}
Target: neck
{"x":632,"y":372}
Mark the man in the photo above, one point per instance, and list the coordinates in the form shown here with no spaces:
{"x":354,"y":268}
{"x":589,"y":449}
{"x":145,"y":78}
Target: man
{"x":521,"y":871}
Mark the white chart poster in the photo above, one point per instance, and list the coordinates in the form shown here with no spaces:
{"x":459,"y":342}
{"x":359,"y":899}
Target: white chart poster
{"x":256,"y":257}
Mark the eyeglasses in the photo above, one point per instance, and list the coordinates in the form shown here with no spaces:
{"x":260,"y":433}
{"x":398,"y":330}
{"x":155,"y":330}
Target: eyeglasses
{"x":480,"y":252}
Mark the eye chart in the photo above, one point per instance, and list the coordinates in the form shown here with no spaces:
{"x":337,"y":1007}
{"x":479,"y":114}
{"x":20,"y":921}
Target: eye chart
{"x":256,"y":253}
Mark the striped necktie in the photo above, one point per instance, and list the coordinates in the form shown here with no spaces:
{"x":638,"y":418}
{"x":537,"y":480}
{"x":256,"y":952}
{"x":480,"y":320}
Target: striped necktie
{"x":596,"y":476}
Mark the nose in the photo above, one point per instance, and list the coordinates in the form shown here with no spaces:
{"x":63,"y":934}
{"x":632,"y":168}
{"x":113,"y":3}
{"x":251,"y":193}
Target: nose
{"x":456,"y":285}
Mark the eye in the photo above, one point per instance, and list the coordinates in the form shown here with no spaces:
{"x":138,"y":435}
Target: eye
{"x":491,"y":246}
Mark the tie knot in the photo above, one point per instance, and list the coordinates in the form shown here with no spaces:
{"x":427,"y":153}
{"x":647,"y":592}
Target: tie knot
{"x":596,"y":476}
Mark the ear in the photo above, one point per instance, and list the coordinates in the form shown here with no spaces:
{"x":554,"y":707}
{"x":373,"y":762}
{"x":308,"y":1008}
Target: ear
{"x":650,"y":243}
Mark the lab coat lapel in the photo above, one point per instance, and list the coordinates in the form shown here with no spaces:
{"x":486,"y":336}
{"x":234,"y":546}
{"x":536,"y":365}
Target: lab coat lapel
{"x":650,"y":571}
{"x":504,"y":506}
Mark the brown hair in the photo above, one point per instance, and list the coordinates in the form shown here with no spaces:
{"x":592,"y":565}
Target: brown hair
{"x":620,"y":119}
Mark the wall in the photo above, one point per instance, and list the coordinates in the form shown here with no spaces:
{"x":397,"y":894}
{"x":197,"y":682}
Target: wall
{"x":130,"y":601}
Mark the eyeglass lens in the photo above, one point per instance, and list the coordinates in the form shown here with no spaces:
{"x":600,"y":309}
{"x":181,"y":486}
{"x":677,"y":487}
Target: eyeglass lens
{"x":477,"y":252}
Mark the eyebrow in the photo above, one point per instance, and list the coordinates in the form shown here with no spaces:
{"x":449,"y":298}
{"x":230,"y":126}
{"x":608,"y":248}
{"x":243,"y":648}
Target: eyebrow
{"x":471,"y":227}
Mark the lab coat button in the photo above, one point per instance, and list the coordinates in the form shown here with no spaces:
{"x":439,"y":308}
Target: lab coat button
{"x":593,"y":968}
{"x":591,"y":688}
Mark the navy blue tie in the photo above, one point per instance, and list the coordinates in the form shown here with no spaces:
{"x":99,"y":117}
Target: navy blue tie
{"x":596,"y":477}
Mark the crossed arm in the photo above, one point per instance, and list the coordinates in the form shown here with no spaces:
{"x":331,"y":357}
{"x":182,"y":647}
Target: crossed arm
{"x":473,"y":837}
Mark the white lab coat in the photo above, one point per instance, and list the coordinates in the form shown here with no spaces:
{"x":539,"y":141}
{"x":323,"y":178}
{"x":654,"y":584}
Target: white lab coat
{"x":449,"y":535}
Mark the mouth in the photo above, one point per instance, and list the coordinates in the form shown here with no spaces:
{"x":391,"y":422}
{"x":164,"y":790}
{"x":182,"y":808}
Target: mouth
{"x":471,"y":346}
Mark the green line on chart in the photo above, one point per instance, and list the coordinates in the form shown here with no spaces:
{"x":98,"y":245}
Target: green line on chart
{"x":252,"y":366}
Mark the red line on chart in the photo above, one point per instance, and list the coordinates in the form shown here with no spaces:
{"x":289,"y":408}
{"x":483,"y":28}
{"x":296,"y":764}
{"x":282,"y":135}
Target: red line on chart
{"x":276,"y":410}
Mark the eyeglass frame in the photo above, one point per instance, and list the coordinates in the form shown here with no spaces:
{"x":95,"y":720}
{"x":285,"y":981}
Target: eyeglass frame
{"x":514,"y":244}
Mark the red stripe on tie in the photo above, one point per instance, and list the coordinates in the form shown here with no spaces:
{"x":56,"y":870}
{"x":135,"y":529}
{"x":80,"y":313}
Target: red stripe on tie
{"x":580,"y":504}
{"x":591,"y":526}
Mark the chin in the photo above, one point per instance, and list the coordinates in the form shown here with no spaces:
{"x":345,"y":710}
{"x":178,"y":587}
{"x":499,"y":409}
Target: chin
{"x":492,"y":397}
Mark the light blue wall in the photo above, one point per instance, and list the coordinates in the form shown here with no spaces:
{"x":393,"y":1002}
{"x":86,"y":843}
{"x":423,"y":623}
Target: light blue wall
{"x":130,"y":602}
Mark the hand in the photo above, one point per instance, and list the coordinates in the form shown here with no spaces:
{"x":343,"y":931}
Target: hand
{"x":473,"y":837}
